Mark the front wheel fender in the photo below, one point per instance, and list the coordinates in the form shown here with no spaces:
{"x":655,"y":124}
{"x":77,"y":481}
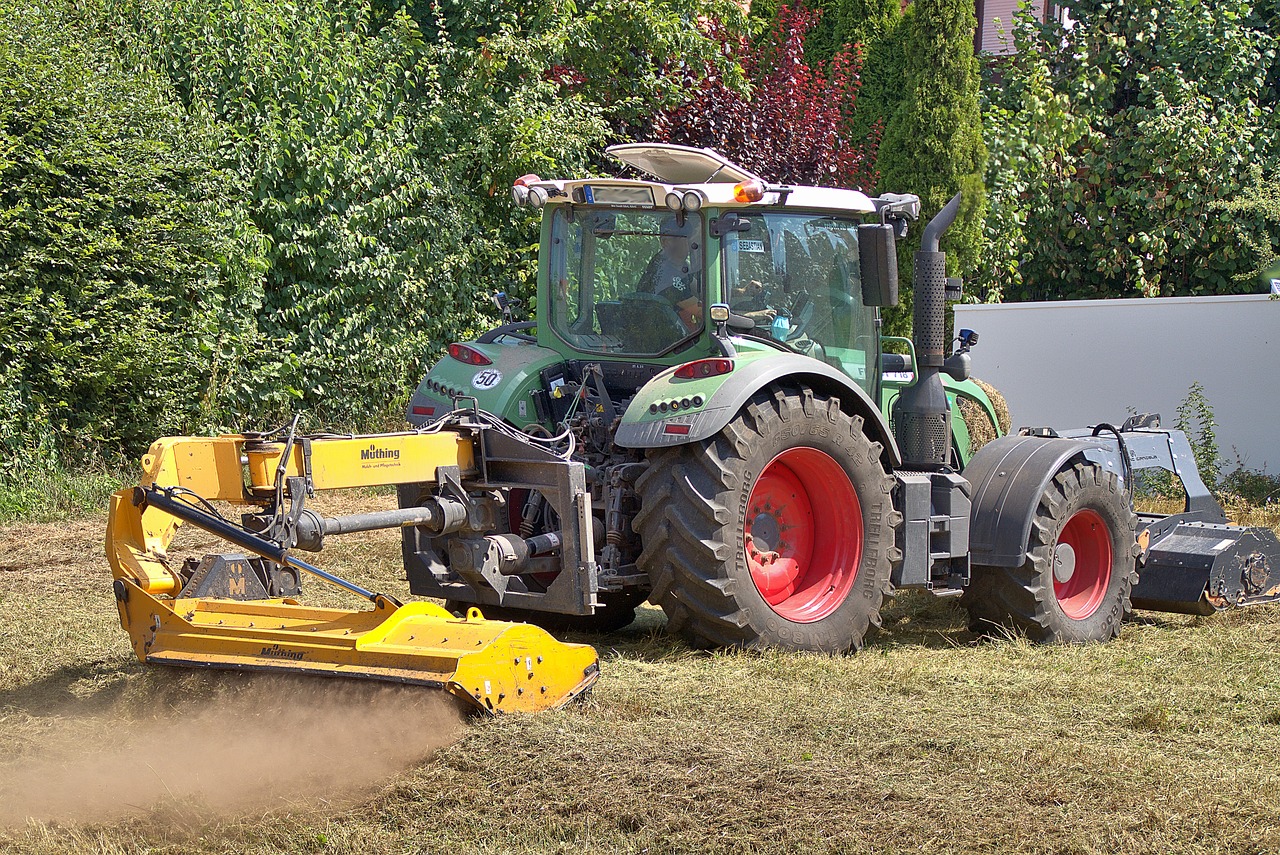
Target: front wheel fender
{"x":1009,"y":475}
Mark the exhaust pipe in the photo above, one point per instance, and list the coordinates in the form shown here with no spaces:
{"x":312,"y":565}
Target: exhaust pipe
{"x":921,"y":415}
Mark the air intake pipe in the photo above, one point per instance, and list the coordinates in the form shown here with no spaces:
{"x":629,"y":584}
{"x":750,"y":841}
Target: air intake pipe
{"x":921,"y":415}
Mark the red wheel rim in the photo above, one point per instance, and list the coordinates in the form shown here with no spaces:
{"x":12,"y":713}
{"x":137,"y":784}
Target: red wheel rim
{"x":803,"y":534}
{"x":1085,"y":564}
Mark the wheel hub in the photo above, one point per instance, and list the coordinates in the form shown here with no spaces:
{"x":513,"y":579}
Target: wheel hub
{"x":1064,"y":563}
{"x":765,"y":532}
{"x":802,"y":536}
{"x":1082,"y":564}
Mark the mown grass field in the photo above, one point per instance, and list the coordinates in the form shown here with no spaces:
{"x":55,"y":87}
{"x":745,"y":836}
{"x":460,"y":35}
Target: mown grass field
{"x":929,"y":741}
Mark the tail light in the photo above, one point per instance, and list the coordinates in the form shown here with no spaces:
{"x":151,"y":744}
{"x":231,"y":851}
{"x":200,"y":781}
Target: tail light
{"x":704,"y":368}
{"x":466,"y":353}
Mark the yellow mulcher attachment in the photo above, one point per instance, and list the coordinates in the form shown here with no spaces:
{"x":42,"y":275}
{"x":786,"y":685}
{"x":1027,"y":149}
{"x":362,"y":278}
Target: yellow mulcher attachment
{"x":238,"y":612}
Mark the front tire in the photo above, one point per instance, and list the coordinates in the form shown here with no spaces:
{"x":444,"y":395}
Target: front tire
{"x":1080,"y":566}
{"x":777,"y":532}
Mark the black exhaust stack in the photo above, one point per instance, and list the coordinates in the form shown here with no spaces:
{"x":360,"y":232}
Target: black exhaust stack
{"x":921,"y":415}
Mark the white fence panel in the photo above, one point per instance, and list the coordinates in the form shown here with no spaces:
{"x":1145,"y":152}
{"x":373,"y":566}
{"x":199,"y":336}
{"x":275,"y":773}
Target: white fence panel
{"x":1079,"y":362}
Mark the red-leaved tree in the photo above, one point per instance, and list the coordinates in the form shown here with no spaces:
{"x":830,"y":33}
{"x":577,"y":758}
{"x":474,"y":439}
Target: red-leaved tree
{"x":792,"y":125}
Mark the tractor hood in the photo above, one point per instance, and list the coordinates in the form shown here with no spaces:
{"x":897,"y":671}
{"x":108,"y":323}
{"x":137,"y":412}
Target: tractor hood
{"x":680,"y":164}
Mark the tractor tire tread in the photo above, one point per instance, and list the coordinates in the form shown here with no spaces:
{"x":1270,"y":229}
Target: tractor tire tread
{"x":688,"y":498}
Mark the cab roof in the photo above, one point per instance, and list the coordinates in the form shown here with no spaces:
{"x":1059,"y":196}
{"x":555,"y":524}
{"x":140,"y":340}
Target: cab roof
{"x":681,"y":164}
{"x":680,"y":169}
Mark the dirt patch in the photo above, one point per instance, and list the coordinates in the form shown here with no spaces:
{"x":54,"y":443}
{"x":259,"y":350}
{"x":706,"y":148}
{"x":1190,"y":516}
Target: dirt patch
{"x":251,"y":746}
{"x":40,"y":547}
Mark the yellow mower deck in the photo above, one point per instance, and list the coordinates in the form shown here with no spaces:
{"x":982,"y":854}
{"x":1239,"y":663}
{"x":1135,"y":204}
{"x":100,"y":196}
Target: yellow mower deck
{"x":493,"y":665}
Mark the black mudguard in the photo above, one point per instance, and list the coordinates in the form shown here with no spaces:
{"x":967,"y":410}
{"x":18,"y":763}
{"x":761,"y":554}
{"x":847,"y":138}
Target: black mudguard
{"x":1009,"y":475}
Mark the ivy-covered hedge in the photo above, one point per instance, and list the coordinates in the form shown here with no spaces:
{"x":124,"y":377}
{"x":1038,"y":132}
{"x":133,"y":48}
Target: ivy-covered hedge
{"x":1134,"y":154}
{"x":316,"y":109}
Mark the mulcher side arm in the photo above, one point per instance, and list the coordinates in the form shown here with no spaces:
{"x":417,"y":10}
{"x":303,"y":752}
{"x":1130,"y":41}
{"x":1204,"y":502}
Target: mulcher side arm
{"x":1193,"y":562}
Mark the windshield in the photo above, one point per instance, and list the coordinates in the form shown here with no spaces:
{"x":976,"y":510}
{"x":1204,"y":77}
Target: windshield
{"x":797,"y":277}
{"x":625,"y":280}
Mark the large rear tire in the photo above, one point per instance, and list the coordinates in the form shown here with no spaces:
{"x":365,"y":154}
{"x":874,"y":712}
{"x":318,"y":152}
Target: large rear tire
{"x":777,"y":532}
{"x":1080,"y":566}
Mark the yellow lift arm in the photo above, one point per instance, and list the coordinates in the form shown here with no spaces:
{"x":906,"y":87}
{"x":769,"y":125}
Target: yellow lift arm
{"x":492,"y":665}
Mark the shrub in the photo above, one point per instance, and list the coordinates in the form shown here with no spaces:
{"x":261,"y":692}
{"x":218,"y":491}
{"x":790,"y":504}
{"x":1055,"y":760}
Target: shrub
{"x":118,"y":260}
{"x":1122,"y":145}
{"x":792,"y":125}
{"x":933,"y":143}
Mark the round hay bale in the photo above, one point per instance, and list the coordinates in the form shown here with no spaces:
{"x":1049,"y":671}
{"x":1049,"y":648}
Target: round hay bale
{"x":976,"y":419}
{"x":999,"y":403}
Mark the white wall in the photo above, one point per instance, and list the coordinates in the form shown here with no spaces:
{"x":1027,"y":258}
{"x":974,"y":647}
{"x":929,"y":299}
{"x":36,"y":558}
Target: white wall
{"x":1076,"y":363}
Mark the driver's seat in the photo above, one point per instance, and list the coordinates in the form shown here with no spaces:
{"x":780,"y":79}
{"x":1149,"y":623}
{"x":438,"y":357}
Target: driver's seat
{"x":643,"y":322}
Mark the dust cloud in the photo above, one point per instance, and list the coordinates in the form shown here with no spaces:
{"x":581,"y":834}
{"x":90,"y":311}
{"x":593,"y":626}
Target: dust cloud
{"x":249,"y":747}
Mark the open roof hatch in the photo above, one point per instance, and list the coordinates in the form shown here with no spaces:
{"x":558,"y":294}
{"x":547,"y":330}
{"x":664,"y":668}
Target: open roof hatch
{"x":681,"y":164}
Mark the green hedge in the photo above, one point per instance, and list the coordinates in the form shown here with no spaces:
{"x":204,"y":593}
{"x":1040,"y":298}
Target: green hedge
{"x":214,"y":214}
{"x":1134,"y":154}
{"x":118,"y":257}
{"x":315,"y":108}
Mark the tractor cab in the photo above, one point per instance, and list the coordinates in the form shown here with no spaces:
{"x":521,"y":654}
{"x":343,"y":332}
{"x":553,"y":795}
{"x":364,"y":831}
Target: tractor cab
{"x":632,"y":267}
{"x":625,"y":281}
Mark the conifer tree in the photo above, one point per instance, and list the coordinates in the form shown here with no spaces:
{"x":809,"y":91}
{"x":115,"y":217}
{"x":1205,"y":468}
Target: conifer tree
{"x":875,"y":25}
{"x":933,"y":142}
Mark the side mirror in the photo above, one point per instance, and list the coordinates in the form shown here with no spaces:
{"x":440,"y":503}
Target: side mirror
{"x":878,"y":258}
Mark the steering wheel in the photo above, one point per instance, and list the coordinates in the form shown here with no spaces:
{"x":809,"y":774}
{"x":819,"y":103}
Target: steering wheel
{"x":802,"y":319}
{"x":652,"y":318}
{"x":664,"y":310}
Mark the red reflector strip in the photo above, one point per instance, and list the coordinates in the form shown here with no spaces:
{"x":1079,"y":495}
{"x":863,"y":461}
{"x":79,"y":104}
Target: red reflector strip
{"x":679,"y":430}
{"x":423,"y":411}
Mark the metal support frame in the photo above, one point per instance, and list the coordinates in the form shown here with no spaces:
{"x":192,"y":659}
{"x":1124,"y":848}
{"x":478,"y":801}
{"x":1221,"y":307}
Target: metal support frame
{"x":508,"y":463}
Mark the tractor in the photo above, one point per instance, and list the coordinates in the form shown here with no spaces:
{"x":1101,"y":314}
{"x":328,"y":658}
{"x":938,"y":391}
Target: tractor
{"x":708,"y":345}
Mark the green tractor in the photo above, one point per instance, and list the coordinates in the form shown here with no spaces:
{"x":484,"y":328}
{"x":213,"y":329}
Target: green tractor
{"x":703,"y":416}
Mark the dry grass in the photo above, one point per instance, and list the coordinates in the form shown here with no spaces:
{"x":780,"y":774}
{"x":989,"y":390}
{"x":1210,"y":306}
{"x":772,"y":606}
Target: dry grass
{"x":1243,"y":513}
{"x":928,"y":741}
{"x":1239,"y":511}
